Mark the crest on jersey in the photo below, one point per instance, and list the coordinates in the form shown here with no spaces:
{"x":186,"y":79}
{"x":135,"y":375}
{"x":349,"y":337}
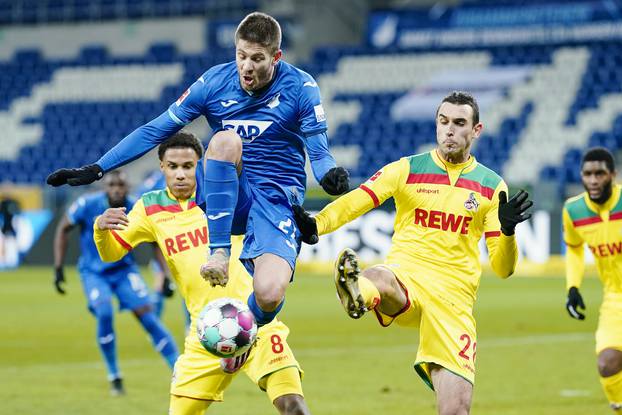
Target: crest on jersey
{"x":248,"y":130}
{"x":274,"y":102}
{"x":471,"y":203}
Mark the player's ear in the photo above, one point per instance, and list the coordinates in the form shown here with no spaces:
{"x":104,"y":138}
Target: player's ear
{"x":161,"y":165}
{"x":479,"y":127}
{"x":277,"y":57}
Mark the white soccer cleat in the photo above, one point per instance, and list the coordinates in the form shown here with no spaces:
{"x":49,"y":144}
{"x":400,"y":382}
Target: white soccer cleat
{"x":216,"y":270}
{"x":346,"y":281}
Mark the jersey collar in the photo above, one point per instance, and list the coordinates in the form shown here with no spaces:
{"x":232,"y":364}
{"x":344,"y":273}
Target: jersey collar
{"x":609,"y":204}
{"x":465,"y":167}
{"x":189,"y":203}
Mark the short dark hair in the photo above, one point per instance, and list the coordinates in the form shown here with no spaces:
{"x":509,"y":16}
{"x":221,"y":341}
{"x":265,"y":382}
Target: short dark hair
{"x":260,"y":28}
{"x":181,"y":139}
{"x":600,"y":154}
{"x":462,"y":98}
{"x":116,"y":174}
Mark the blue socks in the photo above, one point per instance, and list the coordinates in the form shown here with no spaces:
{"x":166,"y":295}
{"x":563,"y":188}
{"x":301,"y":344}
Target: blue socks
{"x":106,"y":340}
{"x":157,"y":301}
{"x":221,"y":196}
{"x":161,"y":338}
{"x":262,"y":317}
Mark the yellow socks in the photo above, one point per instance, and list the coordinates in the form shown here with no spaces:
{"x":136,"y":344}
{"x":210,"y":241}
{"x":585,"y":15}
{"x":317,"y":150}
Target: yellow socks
{"x":370,"y":293}
{"x":612,"y":386}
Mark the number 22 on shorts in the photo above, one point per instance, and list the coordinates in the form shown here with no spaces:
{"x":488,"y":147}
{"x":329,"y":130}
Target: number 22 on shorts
{"x":466,"y":353}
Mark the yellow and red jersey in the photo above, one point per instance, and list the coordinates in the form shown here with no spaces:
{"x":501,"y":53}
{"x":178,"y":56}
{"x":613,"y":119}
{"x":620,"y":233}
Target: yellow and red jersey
{"x":443,"y":210}
{"x":179,"y":228}
{"x":600,"y":227}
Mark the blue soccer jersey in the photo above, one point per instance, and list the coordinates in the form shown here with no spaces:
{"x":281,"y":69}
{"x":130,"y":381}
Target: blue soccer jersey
{"x":276,"y":125}
{"x":83,"y":213}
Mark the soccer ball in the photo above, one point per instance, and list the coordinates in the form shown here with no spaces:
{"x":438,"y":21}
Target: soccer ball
{"x":226,"y":327}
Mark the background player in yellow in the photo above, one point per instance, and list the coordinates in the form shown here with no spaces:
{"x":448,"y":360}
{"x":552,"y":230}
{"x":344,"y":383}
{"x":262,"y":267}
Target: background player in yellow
{"x":445,"y":201}
{"x":172,"y":218}
{"x":595,"y":218}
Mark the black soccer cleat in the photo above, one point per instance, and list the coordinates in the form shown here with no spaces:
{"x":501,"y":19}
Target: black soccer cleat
{"x":116,"y":387}
{"x":346,"y":281}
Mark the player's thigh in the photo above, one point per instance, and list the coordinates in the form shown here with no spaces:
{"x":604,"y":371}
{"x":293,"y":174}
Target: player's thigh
{"x":609,"y":331}
{"x":270,"y":355}
{"x":184,"y":405}
{"x":271,"y":229}
{"x":447,"y":334}
{"x":98,"y":293}
{"x":131,"y":290}
{"x":198,"y":374}
{"x":453,"y":392}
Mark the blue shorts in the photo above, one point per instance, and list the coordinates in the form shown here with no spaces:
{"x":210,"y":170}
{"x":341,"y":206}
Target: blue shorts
{"x":126,"y":284}
{"x":267,"y":220}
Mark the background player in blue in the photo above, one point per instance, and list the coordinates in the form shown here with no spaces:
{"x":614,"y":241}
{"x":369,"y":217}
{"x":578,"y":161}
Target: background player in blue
{"x":100,"y":279}
{"x":264,"y":112}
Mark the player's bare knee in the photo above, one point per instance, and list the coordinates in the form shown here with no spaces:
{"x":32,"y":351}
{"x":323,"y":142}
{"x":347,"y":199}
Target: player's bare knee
{"x":269,"y":299}
{"x":225,"y":145}
{"x":609,"y":362}
{"x":291,"y":405}
{"x":142,"y":310}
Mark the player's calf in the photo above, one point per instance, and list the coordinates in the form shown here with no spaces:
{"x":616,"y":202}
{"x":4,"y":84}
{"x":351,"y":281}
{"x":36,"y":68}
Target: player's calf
{"x":347,"y":273}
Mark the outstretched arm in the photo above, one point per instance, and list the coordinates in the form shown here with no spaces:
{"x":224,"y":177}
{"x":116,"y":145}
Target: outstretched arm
{"x":382,"y":185}
{"x":188,"y":107}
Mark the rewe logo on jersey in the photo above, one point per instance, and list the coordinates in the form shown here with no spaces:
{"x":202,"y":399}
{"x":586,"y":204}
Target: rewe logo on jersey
{"x":248,"y":130}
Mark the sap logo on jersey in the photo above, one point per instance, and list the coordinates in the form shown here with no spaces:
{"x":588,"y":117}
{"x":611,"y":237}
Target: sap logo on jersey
{"x":248,"y":130}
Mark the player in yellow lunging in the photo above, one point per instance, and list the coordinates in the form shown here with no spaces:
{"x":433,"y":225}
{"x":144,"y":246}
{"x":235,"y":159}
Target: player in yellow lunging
{"x":172,"y":219}
{"x":445,"y":201}
{"x":595,"y":218}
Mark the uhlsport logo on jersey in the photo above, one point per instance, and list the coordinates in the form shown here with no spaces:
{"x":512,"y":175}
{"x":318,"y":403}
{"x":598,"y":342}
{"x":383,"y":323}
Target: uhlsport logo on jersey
{"x":248,"y":130}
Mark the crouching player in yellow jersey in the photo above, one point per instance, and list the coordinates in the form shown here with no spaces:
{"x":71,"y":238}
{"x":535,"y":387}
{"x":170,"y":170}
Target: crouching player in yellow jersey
{"x":172,"y":218}
{"x":595,"y":218}
{"x":446,"y":201}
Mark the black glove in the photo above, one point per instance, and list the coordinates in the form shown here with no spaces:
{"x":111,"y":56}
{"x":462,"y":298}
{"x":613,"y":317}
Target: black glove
{"x":59,"y":280}
{"x":512,"y":212}
{"x":306,"y":225}
{"x":76,"y":177}
{"x":574,"y":302}
{"x":168,"y":287}
{"x":336,"y":181}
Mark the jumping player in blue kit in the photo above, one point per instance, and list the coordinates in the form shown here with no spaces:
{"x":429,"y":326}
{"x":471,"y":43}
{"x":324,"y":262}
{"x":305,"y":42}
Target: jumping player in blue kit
{"x":100,"y":280}
{"x":265,"y":113}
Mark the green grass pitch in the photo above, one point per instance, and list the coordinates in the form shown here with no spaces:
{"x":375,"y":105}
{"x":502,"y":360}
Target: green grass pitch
{"x":532,"y":358}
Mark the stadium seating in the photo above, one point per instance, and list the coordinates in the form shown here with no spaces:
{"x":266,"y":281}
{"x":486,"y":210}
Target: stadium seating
{"x":541,"y":105}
